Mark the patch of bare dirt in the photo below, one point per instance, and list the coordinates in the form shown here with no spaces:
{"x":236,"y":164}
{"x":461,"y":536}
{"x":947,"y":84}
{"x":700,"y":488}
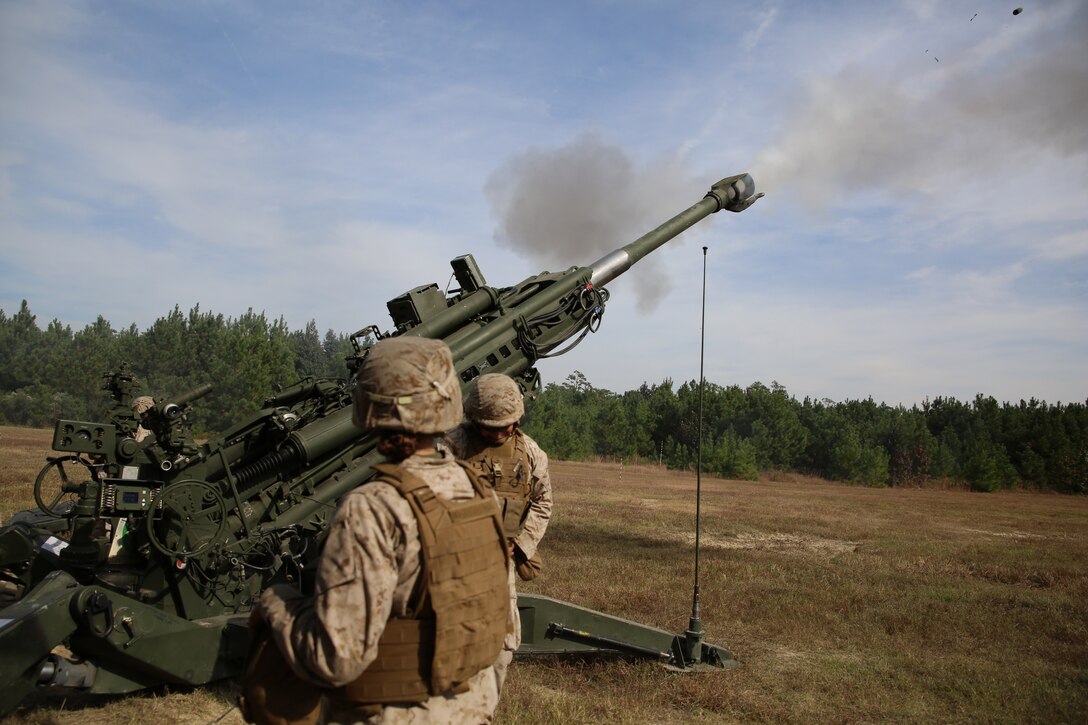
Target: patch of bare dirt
{"x":1006,"y":534}
{"x":771,"y":542}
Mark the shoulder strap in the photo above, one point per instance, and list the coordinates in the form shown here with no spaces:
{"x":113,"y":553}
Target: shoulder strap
{"x":478,"y":483}
{"x":424,"y":504}
{"x":407,"y":484}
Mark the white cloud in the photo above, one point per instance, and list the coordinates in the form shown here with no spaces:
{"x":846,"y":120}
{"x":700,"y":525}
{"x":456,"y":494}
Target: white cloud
{"x":922,"y":273}
{"x":969,"y":289}
{"x":322,"y":160}
{"x":923,"y":9}
{"x":1065,"y":247}
{"x":984,"y":111}
{"x":765,"y":20}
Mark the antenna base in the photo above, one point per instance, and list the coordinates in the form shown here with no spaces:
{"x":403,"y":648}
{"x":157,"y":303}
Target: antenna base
{"x":693,"y":641}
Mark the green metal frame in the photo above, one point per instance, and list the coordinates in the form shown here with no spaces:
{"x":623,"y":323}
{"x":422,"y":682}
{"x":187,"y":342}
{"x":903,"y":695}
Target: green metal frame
{"x":199,"y":530}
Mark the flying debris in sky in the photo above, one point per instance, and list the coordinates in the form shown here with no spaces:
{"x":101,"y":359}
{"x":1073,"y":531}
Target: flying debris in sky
{"x":1017,"y":11}
{"x":973,"y":18}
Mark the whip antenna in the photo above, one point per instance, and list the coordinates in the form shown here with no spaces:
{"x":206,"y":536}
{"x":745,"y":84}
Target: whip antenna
{"x":693,"y":637}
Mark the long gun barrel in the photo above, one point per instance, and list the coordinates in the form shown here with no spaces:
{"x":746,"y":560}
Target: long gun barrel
{"x":735,"y":193}
{"x":538,"y":294}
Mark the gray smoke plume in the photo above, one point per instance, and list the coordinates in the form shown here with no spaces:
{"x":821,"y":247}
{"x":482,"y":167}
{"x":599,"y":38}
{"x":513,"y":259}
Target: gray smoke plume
{"x":994,"y":105}
{"x":571,"y":205}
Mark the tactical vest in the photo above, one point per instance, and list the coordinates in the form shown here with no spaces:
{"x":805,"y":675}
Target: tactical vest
{"x":459,"y":614}
{"x":507,"y":469}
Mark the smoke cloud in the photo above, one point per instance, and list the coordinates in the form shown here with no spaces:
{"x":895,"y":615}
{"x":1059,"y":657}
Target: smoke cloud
{"x":993,"y":105}
{"x":571,"y":205}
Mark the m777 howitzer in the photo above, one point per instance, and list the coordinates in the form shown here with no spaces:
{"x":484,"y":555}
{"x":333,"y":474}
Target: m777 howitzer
{"x":145,"y":556}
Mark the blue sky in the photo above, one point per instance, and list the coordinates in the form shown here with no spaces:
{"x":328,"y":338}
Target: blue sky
{"x":925,"y":229}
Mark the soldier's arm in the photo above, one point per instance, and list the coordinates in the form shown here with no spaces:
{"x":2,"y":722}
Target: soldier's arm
{"x":331,"y":638}
{"x":540,"y":499}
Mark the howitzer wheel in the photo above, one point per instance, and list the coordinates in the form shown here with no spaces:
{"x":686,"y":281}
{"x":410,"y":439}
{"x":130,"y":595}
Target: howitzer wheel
{"x":187,"y":519}
{"x":56,"y":484}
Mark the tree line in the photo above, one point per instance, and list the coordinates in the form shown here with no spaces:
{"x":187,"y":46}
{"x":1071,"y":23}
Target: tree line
{"x":982,"y":443}
{"x":55,"y":372}
{"x":52,"y":373}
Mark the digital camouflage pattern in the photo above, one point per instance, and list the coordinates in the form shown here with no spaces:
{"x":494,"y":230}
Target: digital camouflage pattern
{"x":141,"y":405}
{"x":505,"y":467}
{"x":370,"y":567}
{"x":408,"y":384}
{"x":468,"y":445}
{"x":494,"y":400}
{"x":460,"y":610}
{"x":513,"y":638}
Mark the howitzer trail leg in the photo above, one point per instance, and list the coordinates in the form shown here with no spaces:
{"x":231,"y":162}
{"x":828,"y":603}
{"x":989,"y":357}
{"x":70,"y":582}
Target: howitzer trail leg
{"x":552,"y":627}
{"x":132,"y":645}
{"x":29,"y":630}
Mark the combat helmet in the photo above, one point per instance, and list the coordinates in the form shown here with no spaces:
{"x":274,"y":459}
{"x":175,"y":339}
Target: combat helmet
{"x":408,"y":384}
{"x":494,"y":401}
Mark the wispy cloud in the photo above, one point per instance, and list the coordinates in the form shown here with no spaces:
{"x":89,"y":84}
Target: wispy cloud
{"x":986,"y":110}
{"x":1064,"y":247}
{"x":764,"y":20}
{"x":315,"y":161}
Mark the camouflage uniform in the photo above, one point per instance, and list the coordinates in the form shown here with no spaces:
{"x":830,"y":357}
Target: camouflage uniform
{"x":139,"y":406}
{"x":496,"y":401}
{"x":367,"y":575}
{"x":371,"y":564}
{"x":465,"y":440}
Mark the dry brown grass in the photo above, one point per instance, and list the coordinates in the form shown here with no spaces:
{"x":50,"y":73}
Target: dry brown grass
{"x":843,"y":604}
{"x":22,"y":455}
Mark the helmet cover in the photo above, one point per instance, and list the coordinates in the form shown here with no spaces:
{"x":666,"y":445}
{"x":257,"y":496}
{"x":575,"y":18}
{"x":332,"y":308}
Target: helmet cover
{"x":494,"y":401}
{"x":408,"y":384}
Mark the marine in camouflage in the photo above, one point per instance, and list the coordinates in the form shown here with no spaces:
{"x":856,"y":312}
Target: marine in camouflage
{"x":494,"y":401}
{"x":518,"y":468}
{"x":140,"y":406}
{"x":370,"y":567}
{"x":372,"y":559}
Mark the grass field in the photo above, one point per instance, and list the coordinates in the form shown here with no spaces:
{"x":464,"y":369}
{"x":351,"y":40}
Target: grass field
{"x":843,"y":604}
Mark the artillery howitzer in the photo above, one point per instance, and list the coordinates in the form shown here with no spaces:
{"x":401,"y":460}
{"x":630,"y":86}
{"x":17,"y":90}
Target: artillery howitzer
{"x":146,"y":553}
